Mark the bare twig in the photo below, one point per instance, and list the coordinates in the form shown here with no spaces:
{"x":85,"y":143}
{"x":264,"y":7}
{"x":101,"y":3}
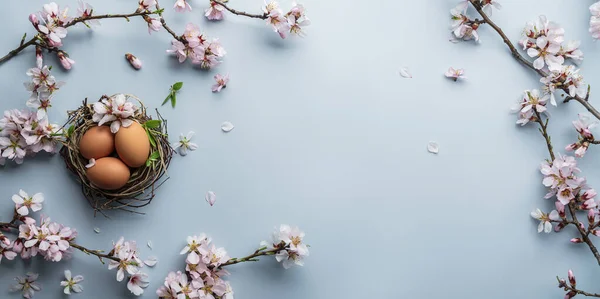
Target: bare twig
{"x":544,"y":131}
{"x":252,"y":257}
{"x":263,"y":16}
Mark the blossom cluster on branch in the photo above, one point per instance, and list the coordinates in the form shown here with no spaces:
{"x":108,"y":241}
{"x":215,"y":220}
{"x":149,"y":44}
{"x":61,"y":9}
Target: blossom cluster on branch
{"x":547,"y":53}
{"x":55,"y":242}
{"x":204,"y":274}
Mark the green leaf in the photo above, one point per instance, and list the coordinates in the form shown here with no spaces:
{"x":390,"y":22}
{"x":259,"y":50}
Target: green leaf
{"x":152,"y":124}
{"x":167,"y":99}
{"x":177,"y":86}
{"x":154,"y":156}
{"x":70,"y":130}
{"x":173,"y":100}
{"x":151,"y":138}
{"x":148,"y":162}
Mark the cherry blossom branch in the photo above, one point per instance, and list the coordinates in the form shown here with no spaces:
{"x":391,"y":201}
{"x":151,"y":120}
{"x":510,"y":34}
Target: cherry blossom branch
{"x":252,"y":257}
{"x":578,"y":292}
{"x":584,"y":235}
{"x":97,"y":253}
{"x":164,"y":23}
{"x":263,"y":16}
{"x":75,"y":21}
{"x":83,"y":19}
{"x":515,"y":53}
{"x":544,"y":131}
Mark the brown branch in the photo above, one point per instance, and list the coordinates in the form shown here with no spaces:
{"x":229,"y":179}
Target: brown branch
{"x":78,"y":20}
{"x":263,"y":16}
{"x":18,"y":50}
{"x":584,"y":235}
{"x":97,"y":253}
{"x":544,"y":131}
{"x":575,"y":290}
{"x":252,"y":257}
{"x":524,"y":61}
{"x":33,"y":41}
{"x":164,"y":24}
{"x":8,"y":225}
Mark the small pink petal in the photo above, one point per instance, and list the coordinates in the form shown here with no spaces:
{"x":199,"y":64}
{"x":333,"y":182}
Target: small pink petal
{"x":211,"y":197}
{"x":405,"y":73}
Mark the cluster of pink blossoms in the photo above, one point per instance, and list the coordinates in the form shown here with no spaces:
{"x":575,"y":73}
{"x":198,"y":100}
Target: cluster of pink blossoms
{"x":129,"y":263}
{"x":197,"y":47}
{"x":561,"y":177}
{"x":26,"y":132}
{"x":583,"y":126}
{"x":531,"y":102}
{"x":116,"y":110}
{"x":567,"y":77}
{"x":202,"y":277}
{"x":463,"y":27}
{"x":50,"y":239}
{"x":51,"y":22}
{"x":291,"y":22}
{"x":545,"y":40}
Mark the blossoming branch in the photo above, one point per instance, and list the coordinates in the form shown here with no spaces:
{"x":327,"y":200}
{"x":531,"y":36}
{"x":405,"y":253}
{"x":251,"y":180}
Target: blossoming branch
{"x":544,"y":42}
{"x":291,"y":22}
{"x":54,"y":242}
{"x":205,"y":263}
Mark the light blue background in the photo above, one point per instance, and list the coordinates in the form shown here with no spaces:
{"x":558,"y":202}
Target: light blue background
{"x":330,"y":138}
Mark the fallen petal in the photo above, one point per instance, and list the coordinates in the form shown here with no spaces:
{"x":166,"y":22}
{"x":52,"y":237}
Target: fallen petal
{"x":149,"y":244}
{"x":211,"y":197}
{"x":91,"y":163}
{"x":96,"y":230}
{"x":227,"y":126}
{"x":433,"y":147}
{"x":404,"y":72}
{"x":151,"y":261}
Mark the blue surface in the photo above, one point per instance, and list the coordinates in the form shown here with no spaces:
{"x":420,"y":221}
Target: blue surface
{"x":330,"y":138}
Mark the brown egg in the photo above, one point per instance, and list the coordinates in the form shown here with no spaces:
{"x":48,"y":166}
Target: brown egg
{"x":132,"y":144}
{"x":109,"y":173}
{"x":97,"y":142}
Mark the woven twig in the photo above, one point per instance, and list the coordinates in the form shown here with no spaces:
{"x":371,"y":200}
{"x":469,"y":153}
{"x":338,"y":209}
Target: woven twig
{"x":140,"y":189}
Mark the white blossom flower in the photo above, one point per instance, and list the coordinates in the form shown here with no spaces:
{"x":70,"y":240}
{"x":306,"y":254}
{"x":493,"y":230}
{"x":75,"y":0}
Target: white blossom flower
{"x":545,"y":220}
{"x":455,"y":74}
{"x":26,"y":285}
{"x":23,"y":202}
{"x":185,"y":144}
{"x":71,"y":284}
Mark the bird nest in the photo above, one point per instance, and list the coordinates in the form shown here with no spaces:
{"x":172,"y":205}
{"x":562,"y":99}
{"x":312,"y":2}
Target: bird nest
{"x":143,"y":182}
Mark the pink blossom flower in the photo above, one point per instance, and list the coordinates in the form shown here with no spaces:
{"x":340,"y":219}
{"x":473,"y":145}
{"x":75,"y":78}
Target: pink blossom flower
{"x":488,"y":4}
{"x":547,"y":53}
{"x":221,"y":82}
{"x":6,"y":252}
{"x":24,"y":202}
{"x":65,"y":61}
{"x":560,"y":177}
{"x":195,"y":244}
{"x":455,"y":74}
{"x":13,"y":148}
{"x":128,"y":262}
{"x":117,"y":110}
{"x":153,"y":24}
{"x":184,"y":145}
{"x":182,"y":6}
{"x":134,"y":61}
{"x":53,"y":32}
{"x":137,"y":283}
{"x":146,"y":4}
{"x":179,"y":49}
{"x":34,"y":20}
{"x":532,"y":100}
{"x":294,"y":250}
{"x":595,"y":20}
{"x":85,"y":10}
{"x":214,"y":12}
{"x":26,"y":285}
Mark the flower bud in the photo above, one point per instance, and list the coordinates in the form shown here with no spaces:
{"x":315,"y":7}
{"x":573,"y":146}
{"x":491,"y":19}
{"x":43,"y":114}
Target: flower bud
{"x":562,"y":283}
{"x":570,"y":295}
{"x":66,"y":62}
{"x":39,"y":59}
{"x":572,"y":278}
{"x":576,"y":240}
{"x":134,"y":61}
{"x":34,"y":20}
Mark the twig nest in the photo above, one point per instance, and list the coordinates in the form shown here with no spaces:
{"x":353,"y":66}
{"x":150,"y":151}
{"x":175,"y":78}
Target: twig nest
{"x":117,"y":152}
